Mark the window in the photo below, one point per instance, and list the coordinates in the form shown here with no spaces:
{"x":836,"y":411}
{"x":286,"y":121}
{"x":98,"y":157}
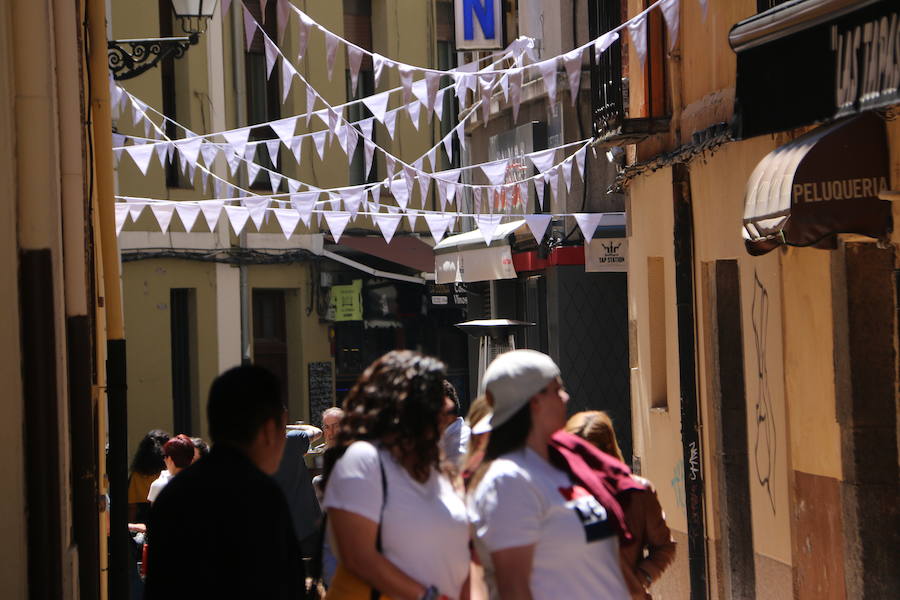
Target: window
{"x":270,"y":344}
{"x":358,"y":29}
{"x":263,"y":98}
{"x":182,"y":323}
{"x":656,"y":296}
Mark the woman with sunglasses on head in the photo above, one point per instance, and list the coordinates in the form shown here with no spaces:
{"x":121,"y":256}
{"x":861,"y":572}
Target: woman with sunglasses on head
{"x":398,"y":525}
{"x":539,"y":533}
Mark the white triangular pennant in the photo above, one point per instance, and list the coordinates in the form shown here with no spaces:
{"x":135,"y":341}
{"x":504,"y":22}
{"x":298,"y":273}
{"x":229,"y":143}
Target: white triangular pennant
{"x":388,"y":223}
{"x":366,"y":126}
{"x":319,"y":141}
{"x":296,"y":148}
{"x":354,"y":60}
{"x":547,"y":69}
{"x":237,"y":216}
{"x":271,"y":55}
{"x":572,"y":61}
{"x":273,"y":147}
{"x":353,"y":199}
{"x":413,"y":110}
{"x":376,"y":194}
{"x":287,"y":220}
{"x":487,"y":224}
{"x":637,"y":27}
{"x":406,"y":76}
{"x":249,"y":27}
{"x":588,"y":223}
{"x":579,"y":163}
{"x":368,"y":153}
{"x":603,"y":42}
{"x":411,"y":216}
{"x":437,"y":225}
{"x":190,"y":149}
{"x":188,"y":214}
{"x":539,"y":186}
{"x":303,"y":34}
{"x":257,"y":208}
{"x":377,"y":105}
{"x":377,"y":65}
{"x":439,"y":104}
{"x":486,"y":85}
{"x":163,"y":214}
{"x":287,"y":78}
{"x":337,"y":221}
{"x":162,"y":153}
{"x":238,"y":139}
{"x":567,"y":173}
{"x":400,"y":192}
{"x":495,"y":172}
{"x":424,"y":183}
{"x":390,"y":122}
{"x":543,"y":161}
{"x":274,"y":181}
{"x":670,"y":11}
{"x":282,"y":16}
{"x":538,"y":225}
{"x":310,"y":102}
{"x":331,"y":44}
{"x":552,"y":177}
{"x":121,"y":215}
{"x":209,"y":152}
{"x":141,"y":156}
{"x":304,"y":204}
{"x":252,"y":172}
{"x":432,"y":81}
{"x":135,"y":208}
{"x":516,"y":77}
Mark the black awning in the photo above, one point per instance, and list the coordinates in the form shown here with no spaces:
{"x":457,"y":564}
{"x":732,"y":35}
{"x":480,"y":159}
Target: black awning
{"x":822,"y":183}
{"x":813,"y":61}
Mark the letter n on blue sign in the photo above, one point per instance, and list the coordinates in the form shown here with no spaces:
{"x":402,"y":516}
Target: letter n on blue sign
{"x":484,"y":10}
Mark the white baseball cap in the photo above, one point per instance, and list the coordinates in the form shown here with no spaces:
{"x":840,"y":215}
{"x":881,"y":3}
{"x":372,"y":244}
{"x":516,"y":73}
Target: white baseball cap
{"x":513,"y":378}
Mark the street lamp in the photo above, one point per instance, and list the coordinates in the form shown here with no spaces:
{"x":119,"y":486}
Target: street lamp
{"x":130,"y":58}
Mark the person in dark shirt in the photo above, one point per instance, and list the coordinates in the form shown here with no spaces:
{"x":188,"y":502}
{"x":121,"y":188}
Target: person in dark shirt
{"x":294,"y":479}
{"x":229,"y":503}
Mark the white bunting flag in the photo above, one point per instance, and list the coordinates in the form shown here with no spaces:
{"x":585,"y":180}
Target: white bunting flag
{"x":319,"y":141}
{"x":304,"y":204}
{"x":162,"y":153}
{"x":237,"y":138}
{"x":121,"y":215}
{"x":547,"y":69}
{"x":552,"y":177}
{"x":237,"y":216}
{"x":539,"y":186}
{"x":437,"y":225}
{"x":411,"y":216}
{"x":352,"y":140}
{"x":424,"y":183}
{"x":293,"y":185}
{"x":400,"y":192}
{"x":257,"y":208}
{"x":188,"y":214}
{"x":283,"y":15}
{"x":209,"y":152}
{"x":337,"y":221}
{"x":377,"y":105}
{"x":366,"y":126}
{"x":275,"y":181}
{"x":432,"y":81}
{"x":567,"y":173}
{"x":442,"y":193}
{"x":341,"y":135}
{"x":352,"y":199}
{"x":572,"y":61}
{"x":476,"y":196}
{"x":377,"y":65}
{"x":368,"y":154}
{"x":409,"y":175}
{"x":354,"y":60}
{"x":495,"y":172}
{"x":287,"y":220}
{"x":262,"y":9}
{"x":287,"y":78}
{"x":303,"y":34}
{"x":543,"y":161}
{"x":538,"y":225}
{"x":331,"y":44}
{"x":249,"y":27}
{"x":669,"y":10}
{"x":448,"y":146}
{"x":485,"y":85}
{"x":310,"y":102}
{"x":190,"y":149}
{"x":504,"y":87}
{"x":135,"y":208}
{"x":376,"y":194}
{"x":579,"y":163}
{"x":515,"y":77}
{"x":637,"y":27}
{"x":588,"y":223}
{"x":487,"y":224}
{"x":163,"y":214}
{"x":413,"y":110}
{"x":141,"y":156}
{"x":406,"y":76}
{"x":389,"y":166}
{"x":252,"y":171}
{"x":439,"y":104}
{"x":296,"y":148}
{"x":431,"y":156}
{"x":603,"y":42}
{"x":388,"y":223}
{"x":273,"y":147}
{"x":271,"y":55}
{"x":390,"y":122}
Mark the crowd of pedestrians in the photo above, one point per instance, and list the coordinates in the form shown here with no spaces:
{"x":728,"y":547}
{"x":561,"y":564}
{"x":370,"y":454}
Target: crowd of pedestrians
{"x":410,"y":500}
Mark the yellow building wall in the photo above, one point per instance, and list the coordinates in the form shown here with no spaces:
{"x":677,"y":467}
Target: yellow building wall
{"x":147,"y":285}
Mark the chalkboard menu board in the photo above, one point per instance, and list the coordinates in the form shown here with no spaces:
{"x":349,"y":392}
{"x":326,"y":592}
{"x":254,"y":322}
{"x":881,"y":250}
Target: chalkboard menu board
{"x":321,"y":390}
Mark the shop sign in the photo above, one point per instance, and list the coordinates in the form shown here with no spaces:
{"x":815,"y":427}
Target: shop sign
{"x":346,"y":301}
{"x":605,"y":255}
{"x":479,"y":24}
{"x":842,"y":66}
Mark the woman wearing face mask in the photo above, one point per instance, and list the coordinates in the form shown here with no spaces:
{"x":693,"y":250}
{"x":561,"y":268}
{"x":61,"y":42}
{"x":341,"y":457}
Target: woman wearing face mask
{"x":540,"y":530}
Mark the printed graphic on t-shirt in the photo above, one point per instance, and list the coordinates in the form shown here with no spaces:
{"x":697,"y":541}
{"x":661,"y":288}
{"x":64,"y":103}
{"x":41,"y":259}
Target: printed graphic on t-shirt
{"x":593,"y":516}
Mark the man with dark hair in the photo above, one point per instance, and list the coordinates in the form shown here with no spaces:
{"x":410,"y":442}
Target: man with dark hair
{"x":454,"y":431}
{"x":229,"y":502}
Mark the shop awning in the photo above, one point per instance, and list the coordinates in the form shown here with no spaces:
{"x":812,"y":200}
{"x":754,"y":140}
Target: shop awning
{"x":465,"y":257}
{"x":822,"y":183}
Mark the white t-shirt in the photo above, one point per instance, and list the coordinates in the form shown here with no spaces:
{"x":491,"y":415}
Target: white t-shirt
{"x":157,"y":486}
{"x":424,"y":531}
{"x":523,"y":500}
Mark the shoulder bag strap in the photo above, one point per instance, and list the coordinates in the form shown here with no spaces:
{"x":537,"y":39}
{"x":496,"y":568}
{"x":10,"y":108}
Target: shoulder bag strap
{"x":376,"y":595}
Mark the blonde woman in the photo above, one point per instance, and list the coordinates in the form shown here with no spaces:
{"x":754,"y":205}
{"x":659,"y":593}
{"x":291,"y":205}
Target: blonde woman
{"x":643,"y":514}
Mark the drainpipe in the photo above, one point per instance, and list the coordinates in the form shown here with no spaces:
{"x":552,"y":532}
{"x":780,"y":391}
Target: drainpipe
{"x":687,"y":370}
{"x":116,"y":388}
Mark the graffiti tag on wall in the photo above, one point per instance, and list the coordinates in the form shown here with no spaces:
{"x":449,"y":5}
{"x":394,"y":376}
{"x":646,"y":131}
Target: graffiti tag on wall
{"x":678,"y":483}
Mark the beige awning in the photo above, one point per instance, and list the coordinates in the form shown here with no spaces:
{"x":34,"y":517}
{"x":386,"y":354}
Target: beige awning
{"x":465,"y":257}
{"x":822,"y":183}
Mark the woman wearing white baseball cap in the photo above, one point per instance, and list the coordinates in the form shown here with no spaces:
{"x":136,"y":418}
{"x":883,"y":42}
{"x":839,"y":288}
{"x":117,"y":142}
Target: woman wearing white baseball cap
{"x":539,"y":535}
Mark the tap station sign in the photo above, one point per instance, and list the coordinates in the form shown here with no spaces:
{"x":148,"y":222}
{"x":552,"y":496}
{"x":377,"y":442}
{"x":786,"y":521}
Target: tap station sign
{"x":479,"y":24}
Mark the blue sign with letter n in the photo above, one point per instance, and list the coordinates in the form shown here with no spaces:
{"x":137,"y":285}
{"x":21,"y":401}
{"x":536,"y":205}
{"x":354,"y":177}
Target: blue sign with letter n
{"x":483,"y":10}
{"x":478,"y":24}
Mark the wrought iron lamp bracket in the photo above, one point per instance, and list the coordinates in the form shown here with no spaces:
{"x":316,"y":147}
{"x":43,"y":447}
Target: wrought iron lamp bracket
{"x":130,"y":58}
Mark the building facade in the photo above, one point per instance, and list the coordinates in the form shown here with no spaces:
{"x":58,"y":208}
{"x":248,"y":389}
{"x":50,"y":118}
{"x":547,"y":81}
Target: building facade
{"x":764,"y":363}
